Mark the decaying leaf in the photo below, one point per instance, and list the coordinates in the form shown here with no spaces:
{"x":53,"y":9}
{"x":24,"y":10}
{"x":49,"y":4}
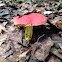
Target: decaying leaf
{"x":53,"y":59}
{"x":3,"y":60}
{"x":13,"y":58}
{"x":3,"y":12}
{"x":60,"y":10}
{"x":43,"y":50}
{"x":60,"y":44}
{"x":16,"y":36}
{"x":1,"y":51}
{"x":59,"y":25}
{"x":56,"y":52}
{"x":23,"y":54}
{"x":5,"y":55}
{"x":2,"y":39}
{"x":54,"y":21}
{"x":11,"y":28}
{"x":1,"y":4}
{"x":10,"y":45}
{"x":2,"y":28}
{"x":24,"y":5}
{"x":47,"y":12}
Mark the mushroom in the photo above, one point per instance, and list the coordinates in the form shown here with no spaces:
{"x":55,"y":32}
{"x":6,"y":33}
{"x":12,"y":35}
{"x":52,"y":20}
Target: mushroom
{"x":28,"y":21}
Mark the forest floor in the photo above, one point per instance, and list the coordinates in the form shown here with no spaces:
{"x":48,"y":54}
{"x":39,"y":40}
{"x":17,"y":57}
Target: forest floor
{"x":46,"y":43}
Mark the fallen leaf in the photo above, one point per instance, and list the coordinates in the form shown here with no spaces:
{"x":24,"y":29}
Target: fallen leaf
{"x":2,"y":4}
{"x":2,"y":28}
{"x":60,"y":44}
{"x":2,"y":39}
{"x":3,"y":12}
{"x":56,"y":52}
{"x":43,"y":50}
{"x":15,"y":35}
{"x":59,"y":25}
{"x":57,"y":19}
{"x":47,"y":12}
{"x":53,"y":59}
{"x":23,"y":54}
{"x":3,"y":60}
{"x":60,"y":10}
{"x":4,"y":23}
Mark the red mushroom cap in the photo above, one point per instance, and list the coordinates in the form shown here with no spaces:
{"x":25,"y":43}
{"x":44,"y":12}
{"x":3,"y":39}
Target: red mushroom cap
{"x":32,"y":19}
{"x":15,"y":19}
{"x":37,"y":19}
{"x":24,"y":20}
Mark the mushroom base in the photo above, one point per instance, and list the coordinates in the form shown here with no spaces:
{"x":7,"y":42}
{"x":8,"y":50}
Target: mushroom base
{"x":28,"y":32}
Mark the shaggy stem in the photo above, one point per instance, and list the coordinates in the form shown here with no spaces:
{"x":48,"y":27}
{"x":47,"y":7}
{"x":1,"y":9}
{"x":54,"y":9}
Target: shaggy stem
{"x":28,"y":32}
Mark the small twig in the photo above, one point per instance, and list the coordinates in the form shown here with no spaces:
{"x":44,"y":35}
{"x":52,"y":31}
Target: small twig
{"x":34,"y":47}
{"x":32,"y":52}
{"x":40,"y":37}
{"x":43,"y":48}
{"x":23,"y":45}
{"x":43,"y":55}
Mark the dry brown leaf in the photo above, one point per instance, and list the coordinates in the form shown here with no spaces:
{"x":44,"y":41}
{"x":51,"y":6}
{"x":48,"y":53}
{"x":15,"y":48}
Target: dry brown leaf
{"x":43,"y":52}
{"x":54,"y":21}
{"x":15,"y":35}
{"x":53,"y":59}
{"x":3,"y":60}
{"x":2,"y":39}
{"x":56,"y":52}
{"x":2,"y":28}
{"x":59,"y":25}
{"x":60,"y":10}
{"x":23,"y":54}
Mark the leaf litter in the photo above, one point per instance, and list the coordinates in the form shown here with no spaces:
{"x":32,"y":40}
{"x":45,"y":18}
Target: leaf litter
{"x":12,"y":41}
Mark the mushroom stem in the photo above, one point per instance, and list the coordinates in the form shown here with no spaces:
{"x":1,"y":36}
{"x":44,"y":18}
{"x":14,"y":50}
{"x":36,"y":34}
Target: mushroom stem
{"x":28,"y":32}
